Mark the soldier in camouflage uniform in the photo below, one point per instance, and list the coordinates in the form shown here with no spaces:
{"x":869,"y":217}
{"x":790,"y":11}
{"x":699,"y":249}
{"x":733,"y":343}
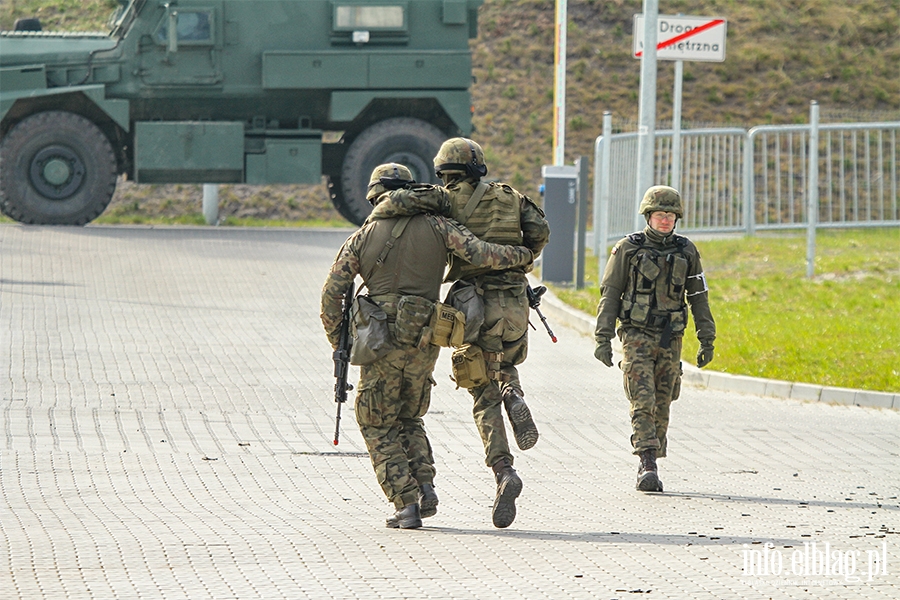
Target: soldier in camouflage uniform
{"x":650,"y":279}
{"x":497,"y":213}
{"x":394,"y":392}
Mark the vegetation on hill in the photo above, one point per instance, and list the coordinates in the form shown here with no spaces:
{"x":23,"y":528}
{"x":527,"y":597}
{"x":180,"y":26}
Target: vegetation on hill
{"x":780,"y":55}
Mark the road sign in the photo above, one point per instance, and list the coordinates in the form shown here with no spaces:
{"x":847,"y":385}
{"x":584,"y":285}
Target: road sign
{"x":684,"y":38}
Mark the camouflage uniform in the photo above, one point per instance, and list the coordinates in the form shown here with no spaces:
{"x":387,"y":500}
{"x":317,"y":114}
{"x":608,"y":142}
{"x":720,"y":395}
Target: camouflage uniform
{"x":650,"y":280}
{"x":394,"y":392}
{"x":495,"y":213}
{"x":505,"y":327}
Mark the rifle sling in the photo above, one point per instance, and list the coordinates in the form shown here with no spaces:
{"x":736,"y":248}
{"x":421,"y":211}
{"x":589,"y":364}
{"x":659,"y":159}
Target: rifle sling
{"x":396,"y":232}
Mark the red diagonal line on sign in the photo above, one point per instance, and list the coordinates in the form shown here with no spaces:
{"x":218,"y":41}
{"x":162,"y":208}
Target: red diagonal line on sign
{"x":686,"y":35}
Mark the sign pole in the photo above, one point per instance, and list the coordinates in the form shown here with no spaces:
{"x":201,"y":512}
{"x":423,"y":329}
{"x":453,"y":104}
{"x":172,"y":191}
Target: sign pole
{"x":559,"y":95}
{"x":647,"y":107}
{"x":676,"y":126}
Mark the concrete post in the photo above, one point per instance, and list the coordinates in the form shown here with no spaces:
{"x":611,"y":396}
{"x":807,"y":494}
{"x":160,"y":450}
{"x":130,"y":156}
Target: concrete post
{"x":211,"y":203}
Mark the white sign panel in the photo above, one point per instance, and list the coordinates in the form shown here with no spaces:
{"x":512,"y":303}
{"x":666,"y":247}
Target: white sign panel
{"x":684,"y":38}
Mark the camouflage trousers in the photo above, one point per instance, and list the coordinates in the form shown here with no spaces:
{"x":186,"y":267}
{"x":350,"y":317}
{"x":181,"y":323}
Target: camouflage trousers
{"x":505,"y":330}
{"x":394,"y":394}
{"x":652,"y":377}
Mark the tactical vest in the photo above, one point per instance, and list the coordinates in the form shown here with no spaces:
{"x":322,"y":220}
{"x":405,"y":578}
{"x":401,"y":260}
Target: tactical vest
{"x":495,"y":218}
{"x":654,"y":296}
{"x":413,"y":266}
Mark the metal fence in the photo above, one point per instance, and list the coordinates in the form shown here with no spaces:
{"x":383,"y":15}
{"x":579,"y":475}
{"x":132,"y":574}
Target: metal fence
{"x":735,"y":180}
{"x":857,"y":175}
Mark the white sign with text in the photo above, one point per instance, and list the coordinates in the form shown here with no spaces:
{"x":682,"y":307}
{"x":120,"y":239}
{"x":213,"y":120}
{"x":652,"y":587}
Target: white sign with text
{"x":684,"y":38}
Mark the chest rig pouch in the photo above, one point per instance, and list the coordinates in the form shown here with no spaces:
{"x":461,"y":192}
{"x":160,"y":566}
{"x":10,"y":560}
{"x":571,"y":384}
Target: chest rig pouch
{"x":654,"y":296}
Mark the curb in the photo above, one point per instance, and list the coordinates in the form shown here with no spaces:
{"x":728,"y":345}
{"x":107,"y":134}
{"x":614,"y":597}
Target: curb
{"x":716,"y":380}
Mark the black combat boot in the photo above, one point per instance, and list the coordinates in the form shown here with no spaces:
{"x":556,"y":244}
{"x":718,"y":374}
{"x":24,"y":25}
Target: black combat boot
{"x":648,"y":480}
{"x":520,"y":418}
{"x":509,"y":486}
{"x":407,"y":517}
{"x":428,"y":500}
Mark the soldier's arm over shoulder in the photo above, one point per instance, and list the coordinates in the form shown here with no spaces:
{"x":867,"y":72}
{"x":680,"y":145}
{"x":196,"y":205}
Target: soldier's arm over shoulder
{"x":535,"y":229}
{"x":343,"y":271}
{"x":412,"y":200}
{"x":463,"y":243}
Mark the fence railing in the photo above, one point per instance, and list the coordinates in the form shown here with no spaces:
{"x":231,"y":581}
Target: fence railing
{"x":857,"y":175}
{"x":735,"y":180}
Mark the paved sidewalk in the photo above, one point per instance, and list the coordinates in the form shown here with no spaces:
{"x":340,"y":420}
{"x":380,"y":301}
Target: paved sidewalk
{"x":166,"y":418}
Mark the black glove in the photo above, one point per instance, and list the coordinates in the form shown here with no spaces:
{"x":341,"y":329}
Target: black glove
{"x":603,"y":353}
{"x":704,"y":355}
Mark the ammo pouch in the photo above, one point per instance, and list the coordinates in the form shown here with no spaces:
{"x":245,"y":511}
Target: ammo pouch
{"x":413,"y":320}
{"x":464,"y":297}
{"x":447,"y":326}
{"x":371,"y":336}
{"x":473,"y":367}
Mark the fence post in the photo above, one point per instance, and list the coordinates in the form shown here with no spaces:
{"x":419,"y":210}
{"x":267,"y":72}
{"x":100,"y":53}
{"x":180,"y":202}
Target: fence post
{"x":581,"y":165}
{"x":749,"y":195}
{"x":812,"y":182}
{"x":601,"y":228}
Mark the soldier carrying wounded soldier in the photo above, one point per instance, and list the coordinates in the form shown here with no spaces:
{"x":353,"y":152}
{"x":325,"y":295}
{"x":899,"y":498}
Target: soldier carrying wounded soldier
{"x":398,"y":328}
{"x":494,"y":301}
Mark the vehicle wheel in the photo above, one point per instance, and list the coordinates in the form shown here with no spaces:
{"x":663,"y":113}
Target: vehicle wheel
{"x":406,"y":141}
{"x":56,"y":168}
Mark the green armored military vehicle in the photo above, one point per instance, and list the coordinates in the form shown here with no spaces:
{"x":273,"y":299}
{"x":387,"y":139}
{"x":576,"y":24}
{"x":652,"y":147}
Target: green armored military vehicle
{"x":230,"y":91}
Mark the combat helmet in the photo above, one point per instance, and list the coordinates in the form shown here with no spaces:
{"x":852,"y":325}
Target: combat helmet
{"x":460,"y":155}
{"x":661,"y":197}
{"x":389,"y":176}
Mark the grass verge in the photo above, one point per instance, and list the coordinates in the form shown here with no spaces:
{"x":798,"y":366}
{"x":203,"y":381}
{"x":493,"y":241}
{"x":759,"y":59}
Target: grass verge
{"x":839,"y":328}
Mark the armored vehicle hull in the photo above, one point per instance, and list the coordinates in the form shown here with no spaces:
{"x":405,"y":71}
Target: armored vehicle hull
{"x":230,"y":91}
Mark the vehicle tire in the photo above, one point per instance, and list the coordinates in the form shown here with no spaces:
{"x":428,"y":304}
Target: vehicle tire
{"x":56,"y":168}
{"x":407,"y":141}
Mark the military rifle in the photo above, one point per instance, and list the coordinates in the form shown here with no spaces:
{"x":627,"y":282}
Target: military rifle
{"x":341,"y":358}
{"x":534,"y":301}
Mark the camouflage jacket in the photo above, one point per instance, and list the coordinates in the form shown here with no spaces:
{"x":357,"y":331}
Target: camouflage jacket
{"x":649,"y":281}
{"x":412,"y":200}
{"x":416,"y":270}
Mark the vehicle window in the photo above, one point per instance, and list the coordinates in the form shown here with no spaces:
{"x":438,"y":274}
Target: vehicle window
{"x":385,"y":16}
{"x":192,"y":27}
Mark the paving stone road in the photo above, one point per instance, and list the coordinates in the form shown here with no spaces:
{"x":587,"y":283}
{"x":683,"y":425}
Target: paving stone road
{"x":166,"y":417}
